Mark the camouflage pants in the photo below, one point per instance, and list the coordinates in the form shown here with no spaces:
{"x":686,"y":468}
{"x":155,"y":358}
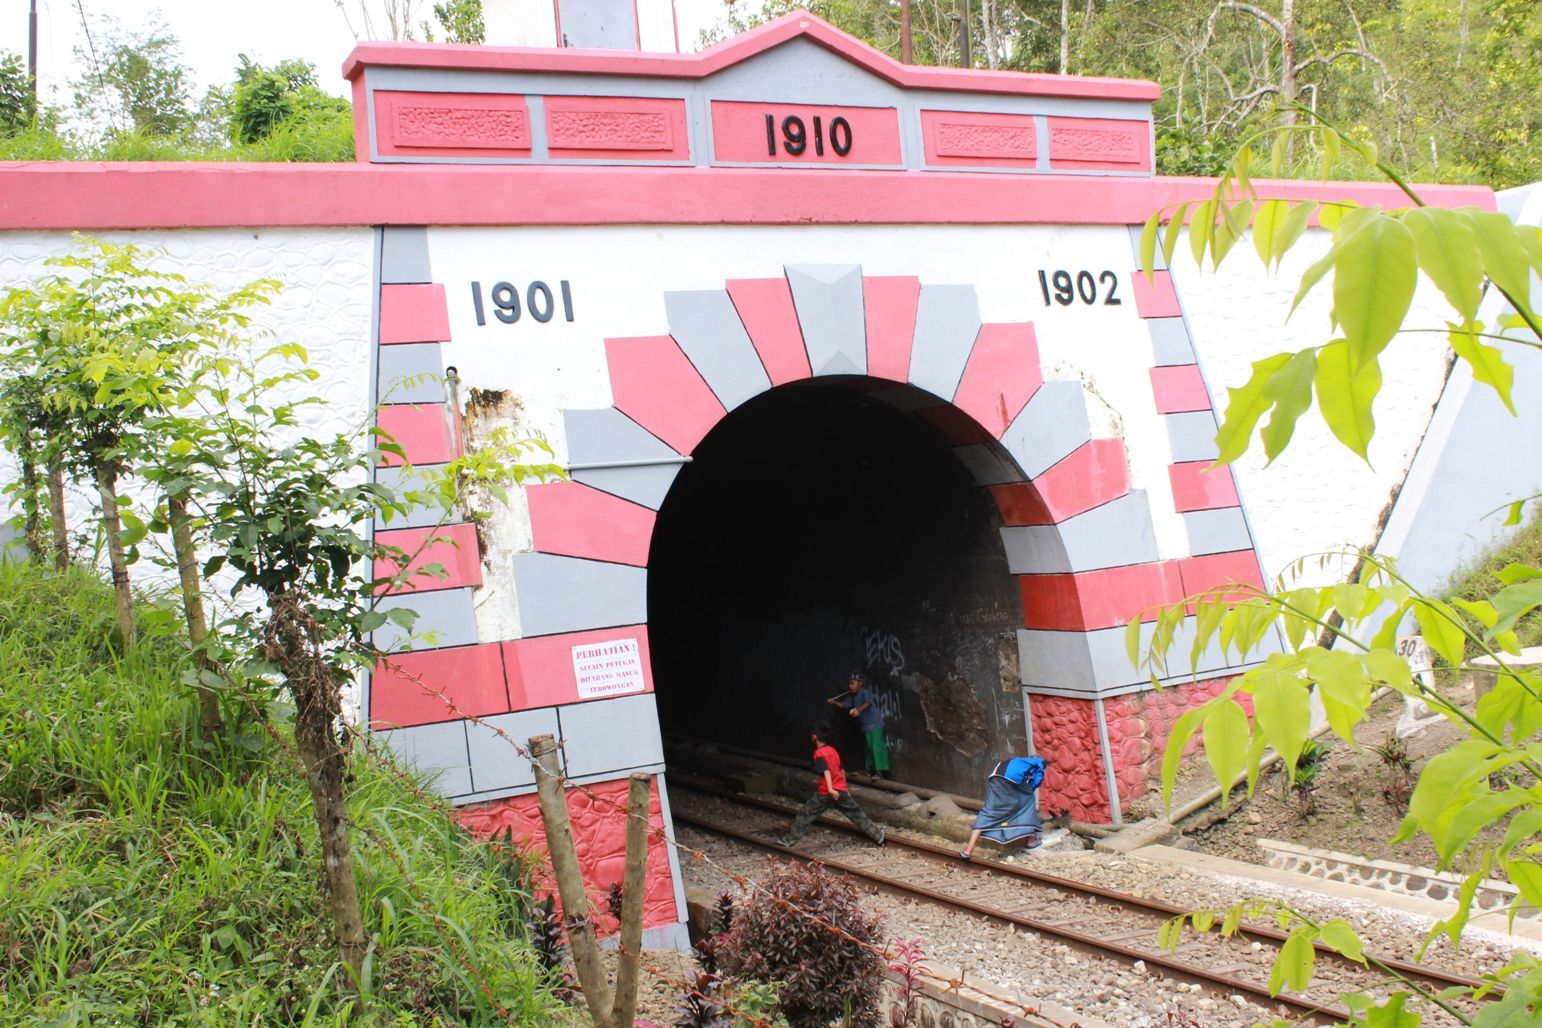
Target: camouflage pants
{"x":819,"y":803}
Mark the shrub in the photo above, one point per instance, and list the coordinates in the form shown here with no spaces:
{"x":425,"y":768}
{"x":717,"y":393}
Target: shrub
{"x":783,"y":933}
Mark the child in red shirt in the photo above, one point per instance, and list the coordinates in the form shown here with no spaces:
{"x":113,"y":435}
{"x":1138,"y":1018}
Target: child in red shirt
{"x":832,"y":793}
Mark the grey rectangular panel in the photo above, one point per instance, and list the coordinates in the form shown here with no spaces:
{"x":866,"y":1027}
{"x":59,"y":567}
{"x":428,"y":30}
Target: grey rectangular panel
{"x":1170,"y":344}
{"x":411,"y":373}
{"x":569,"y":594}
{"x":706,"y":325}
{"x":611,"y":735}
{"x":437,"y":752}
{"x":832,"y":314}
{"x":603,"y":24}
{"x":1113,"y":535}
{"x":1192,"y":436}
{"x":1053,"y":424}
{"x":446,"y":617}
{"x":947,"y":322}
{"x":496,"y":763}
{"x":606,"y":436}
{"x":1224,"y":530}
{"x":647,"y":484}
{"x":404,"y":255}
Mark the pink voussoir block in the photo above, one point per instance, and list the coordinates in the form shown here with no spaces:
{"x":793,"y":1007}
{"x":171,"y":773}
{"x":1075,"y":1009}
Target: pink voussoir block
{"x":1002,"y":374}
{"x":765,"y":307}
{"x":1157,"y":298}
{"x":1179,"y":389}
{"x":657,"y":386}
{"x":890,"y":304}
{"x":413,"y":314}
{"x":575,"y":520}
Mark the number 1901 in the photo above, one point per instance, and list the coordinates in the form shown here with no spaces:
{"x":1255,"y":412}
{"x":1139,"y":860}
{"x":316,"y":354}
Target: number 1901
{"x":539,"y":303}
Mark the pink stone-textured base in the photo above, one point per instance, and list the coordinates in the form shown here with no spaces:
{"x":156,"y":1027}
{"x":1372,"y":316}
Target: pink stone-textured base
{"x":598,"y":816}
{"x":1139,"y":725}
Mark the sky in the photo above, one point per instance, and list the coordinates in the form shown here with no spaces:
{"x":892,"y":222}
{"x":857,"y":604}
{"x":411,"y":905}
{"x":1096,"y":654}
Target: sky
{"x":214,"y":32}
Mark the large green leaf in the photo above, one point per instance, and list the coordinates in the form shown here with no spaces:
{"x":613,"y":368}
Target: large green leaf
{"x":1338,"y":936}
{"x":1487,"y":362}
{"x":1341,"y":686}
{"x":1293,"y":967}
{"x":1345,"y":393}
{"x":1226,"y":737}
{"x":1447,"y":250}
{"x":1245,"y":406}
{"x":1177,"y":740}
{"x":1514,"y":601}
{"x":1148,"y":245}
{"x":1282,"y":711}
{"x":1290,"y":390}
{"x":1373,"y":283}
{"x":1266,"y":223}
{"x":1441,"y":628}
{"x":1505,"y":256}
{"x":1291,"y":228}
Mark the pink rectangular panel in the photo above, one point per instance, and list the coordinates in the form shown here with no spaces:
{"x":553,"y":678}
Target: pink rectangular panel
{"x":1002,"y":373}
{"x":632,"y":128}
{"x":1157,"y":298}
{"x":1099,"y":599}
{"x":757,"y":133}
{"x":454,"y":547}
{"x":979,"y":139}
{"x":1218,"y":569}
{"x":1099,"y":144}
{"x":451,"y":124}
{"x":765,"y":306}
{"x":541,"y":668}
{"x":657,"y":386}
{"x":1179,"y":389}
{"x":419,"y":429}
{"x":1197,"y":486}
{"x":1089,"y":476}
{"x":438,"y":685}
{"x":890,"y":304}
{"x":413,"y":314}
{"x":576,"y":521}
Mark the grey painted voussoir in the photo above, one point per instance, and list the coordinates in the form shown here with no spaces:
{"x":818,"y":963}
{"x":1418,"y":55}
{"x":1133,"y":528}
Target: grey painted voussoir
{"x":495,"y":763}
{"x":399,"y":480}
{"x":1115,"y":534}
{"x":706,"y":325}
{"x":947,"y":322}
{"x":1035,"y":550}
{"x":988,"y":464}
{"x":611,"y":735}
{"x":1056,"y":660}
{"x":646,"y":485}
{"x":411,"y":373}
{"x":1223,"y":530}
{"x":1159,"y":263}
{"x":607,"y":435}
{"x":1192,"y":436}
{"x":446,"y":617}
{"x":828,"y":299}
{"x":438,"y":752}
{"x":404,"y":255}
{"x":569,"y":594}
{"x":1053,"y":424}
{"x":1170,"y":344}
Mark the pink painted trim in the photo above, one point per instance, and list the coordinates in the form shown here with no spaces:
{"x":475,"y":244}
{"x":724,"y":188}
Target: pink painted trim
{"x":1157,"y":298}
{"x":1179,"y":389}
{"x":413,"y":314}
{"x":454,"y":547}
{"x":1002,"y":373}
{"x":979,"y":139}
{"x":733,"y":51}
{"x":360,"y":121}
{"x":616,"y":115}
{"x":1099,"y":144}
{"x":42,"y":195}
{"x":1099,"y":599}
{"x":419,"y":429}
{"x":470,"y":131}
{"x":574,"y":520}
{"x":540,"y":668}
{"x":1218,"y":569}
{"x":1196,"y":486}
{"x":765,"y":307}
{"x":1090,"y":476}
{"x":889,"y":305}
{"x":657,"y":386}
{"x":406,"y":688}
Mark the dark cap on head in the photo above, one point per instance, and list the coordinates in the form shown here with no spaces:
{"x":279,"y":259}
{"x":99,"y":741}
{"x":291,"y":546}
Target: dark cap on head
{"x":856,"y":676}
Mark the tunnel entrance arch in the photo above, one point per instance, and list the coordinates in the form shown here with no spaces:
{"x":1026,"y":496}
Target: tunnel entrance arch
{"x":1062,"y":499}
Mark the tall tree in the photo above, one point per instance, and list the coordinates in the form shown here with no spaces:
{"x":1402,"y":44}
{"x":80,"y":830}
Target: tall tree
{"x":17,"y":104}
{"x":134,"y":80}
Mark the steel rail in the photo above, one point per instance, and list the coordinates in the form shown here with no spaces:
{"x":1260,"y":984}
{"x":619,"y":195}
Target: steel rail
{"x":1434,"y":976}
{"x":1069,"y":936}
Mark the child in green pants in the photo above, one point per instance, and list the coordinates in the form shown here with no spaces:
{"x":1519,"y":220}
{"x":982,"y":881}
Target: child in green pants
{"x":859,"y":702}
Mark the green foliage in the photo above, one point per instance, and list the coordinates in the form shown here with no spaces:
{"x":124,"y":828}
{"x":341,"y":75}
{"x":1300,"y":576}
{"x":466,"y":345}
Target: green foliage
{"x":782,"y":933}
{"x":461,"y":21}
{"x":134,"y":80}
{"x":149,"y":881}
{"x":1521,"y":550}
{"x":265,"y":98}
{"x":18,"y":107}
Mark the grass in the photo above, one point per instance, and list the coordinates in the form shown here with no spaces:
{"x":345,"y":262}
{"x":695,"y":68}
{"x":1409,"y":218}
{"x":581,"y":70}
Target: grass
{"x":1477,"y":582}
{"x":318,"y":136}
{"x":147,"y":879}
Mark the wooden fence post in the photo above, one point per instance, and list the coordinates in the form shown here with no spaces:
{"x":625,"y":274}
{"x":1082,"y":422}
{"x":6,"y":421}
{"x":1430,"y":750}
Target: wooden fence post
{"x":634,"y":884}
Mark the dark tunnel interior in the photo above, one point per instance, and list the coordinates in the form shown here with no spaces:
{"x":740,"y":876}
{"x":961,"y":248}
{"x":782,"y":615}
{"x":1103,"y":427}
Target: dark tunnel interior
{"x":821,"y":529}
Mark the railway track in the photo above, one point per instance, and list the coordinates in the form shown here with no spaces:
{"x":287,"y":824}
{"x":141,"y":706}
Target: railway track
{"x":1097,"y":921}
